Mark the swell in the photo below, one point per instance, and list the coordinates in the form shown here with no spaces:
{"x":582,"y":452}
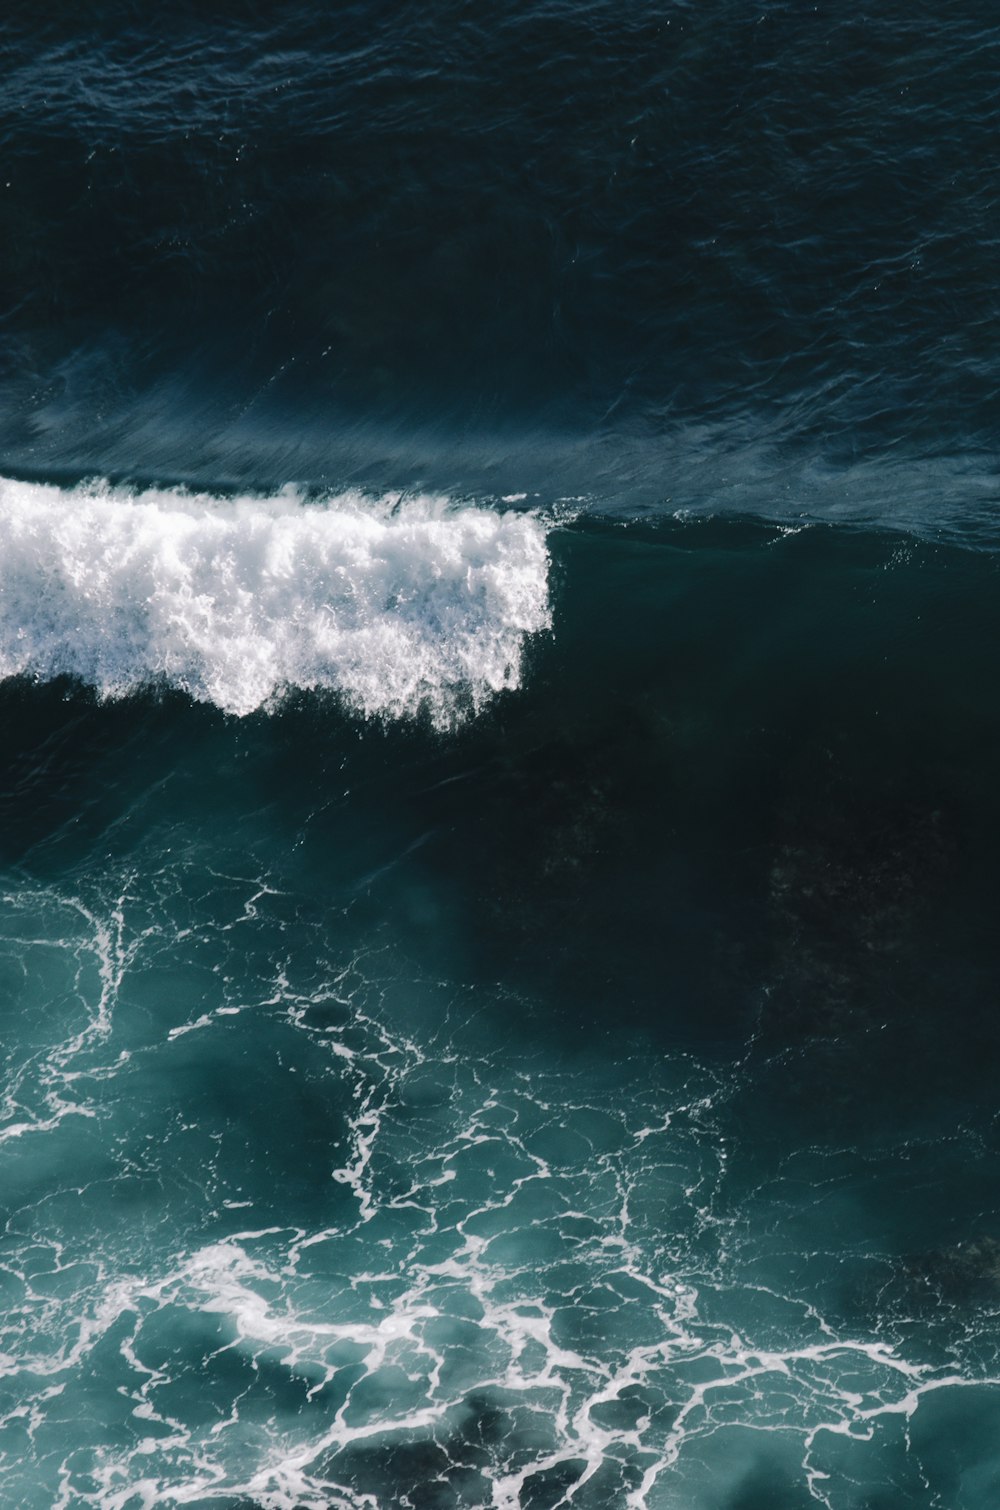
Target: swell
{"x":422,"y":220}
{"x":395,"y":606}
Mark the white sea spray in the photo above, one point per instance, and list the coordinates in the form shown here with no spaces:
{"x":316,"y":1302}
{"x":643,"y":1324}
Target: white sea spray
{"x":393,"y":604}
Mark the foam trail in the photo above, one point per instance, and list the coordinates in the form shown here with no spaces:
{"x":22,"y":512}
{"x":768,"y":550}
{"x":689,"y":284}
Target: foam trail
{"x":392,"y":605}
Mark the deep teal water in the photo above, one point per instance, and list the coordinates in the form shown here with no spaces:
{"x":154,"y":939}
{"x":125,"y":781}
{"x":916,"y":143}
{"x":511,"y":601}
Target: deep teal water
{"x":598,"y":1100}
{"x":499,"y":637}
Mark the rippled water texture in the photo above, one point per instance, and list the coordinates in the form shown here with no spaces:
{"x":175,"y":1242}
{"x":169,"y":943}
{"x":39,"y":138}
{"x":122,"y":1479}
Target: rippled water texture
{"x":695,"y":254}
{"x":498,"y":809}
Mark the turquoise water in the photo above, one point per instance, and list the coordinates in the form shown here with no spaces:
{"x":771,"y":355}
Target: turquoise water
{"x":590,"y":1101}
{"x":499,"y":641}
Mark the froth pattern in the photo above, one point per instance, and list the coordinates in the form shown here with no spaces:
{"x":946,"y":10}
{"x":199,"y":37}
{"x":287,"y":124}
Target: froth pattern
{"x":514,"y":1285}
{"x":393,"y":605}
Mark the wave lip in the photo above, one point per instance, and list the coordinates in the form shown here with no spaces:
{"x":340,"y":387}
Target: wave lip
{"x":395,"y":606}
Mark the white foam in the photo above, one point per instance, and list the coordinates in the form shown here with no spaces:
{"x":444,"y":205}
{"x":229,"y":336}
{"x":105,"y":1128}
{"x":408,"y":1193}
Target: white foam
{"x":393,"y":605}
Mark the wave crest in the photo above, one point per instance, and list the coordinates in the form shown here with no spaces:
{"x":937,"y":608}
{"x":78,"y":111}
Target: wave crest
{"x":393,"y":605}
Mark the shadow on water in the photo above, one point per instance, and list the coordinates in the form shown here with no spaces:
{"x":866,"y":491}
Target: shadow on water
{"x":745,"y":762}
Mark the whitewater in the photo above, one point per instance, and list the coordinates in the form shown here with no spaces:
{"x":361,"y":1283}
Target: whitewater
{"x":394,"y":604}
{"x":499,"y":615}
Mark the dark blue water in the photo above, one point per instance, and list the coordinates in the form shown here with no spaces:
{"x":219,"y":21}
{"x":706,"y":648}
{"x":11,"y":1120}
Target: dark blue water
{"x":499,"y":629}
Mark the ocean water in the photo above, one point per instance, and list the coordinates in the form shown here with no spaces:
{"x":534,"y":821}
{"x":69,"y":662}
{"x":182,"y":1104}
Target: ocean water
{"x":499,"y":646}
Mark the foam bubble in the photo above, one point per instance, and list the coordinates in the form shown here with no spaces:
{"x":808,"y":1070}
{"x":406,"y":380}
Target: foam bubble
{"x":393,"y":605}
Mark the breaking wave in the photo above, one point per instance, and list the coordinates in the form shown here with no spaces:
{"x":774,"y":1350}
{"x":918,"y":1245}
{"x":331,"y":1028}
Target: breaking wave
{"x":394,"y":605}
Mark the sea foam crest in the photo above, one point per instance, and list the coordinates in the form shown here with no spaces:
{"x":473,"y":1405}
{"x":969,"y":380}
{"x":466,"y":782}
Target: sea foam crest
{"x":395,"y":605}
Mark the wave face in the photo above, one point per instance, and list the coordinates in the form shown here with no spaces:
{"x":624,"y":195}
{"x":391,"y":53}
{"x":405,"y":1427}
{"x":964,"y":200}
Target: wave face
{"x":262,"y":244}
{"x":393,"y":606}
